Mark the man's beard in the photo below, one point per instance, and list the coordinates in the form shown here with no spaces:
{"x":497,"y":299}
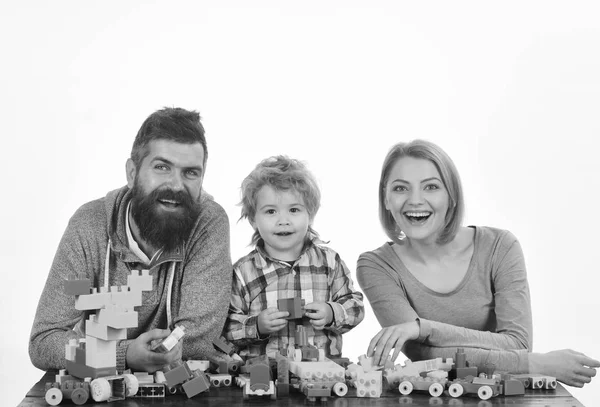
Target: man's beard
{"x":160,"y":228}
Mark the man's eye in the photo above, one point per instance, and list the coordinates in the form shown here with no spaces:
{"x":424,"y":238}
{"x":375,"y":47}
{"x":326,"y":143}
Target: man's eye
{"x":192,"y":173}
{"x":270,"y":211}
{"x":161,"y":167}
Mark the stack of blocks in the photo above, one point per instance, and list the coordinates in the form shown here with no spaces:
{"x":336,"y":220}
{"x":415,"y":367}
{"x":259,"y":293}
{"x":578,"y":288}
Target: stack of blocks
{"x":95,"y":356}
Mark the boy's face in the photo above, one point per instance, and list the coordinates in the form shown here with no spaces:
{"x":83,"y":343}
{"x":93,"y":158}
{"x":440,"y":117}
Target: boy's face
{"x":282,"y":221}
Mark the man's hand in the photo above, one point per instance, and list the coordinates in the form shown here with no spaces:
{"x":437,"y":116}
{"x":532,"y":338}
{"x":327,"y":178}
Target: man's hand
{"x":271,"y":320}
{"x":320,"y":314}
{"x":141,"y":358}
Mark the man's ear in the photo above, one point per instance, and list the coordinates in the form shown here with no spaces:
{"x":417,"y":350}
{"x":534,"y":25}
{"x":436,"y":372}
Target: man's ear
{"x":130,"y":172}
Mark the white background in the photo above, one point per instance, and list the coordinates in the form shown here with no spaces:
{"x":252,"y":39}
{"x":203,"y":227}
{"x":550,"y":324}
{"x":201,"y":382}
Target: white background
{"x":511,"y":90}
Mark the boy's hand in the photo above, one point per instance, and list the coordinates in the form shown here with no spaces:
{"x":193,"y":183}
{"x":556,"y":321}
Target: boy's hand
{"x":320,"y":314}
{"x":271,"y":320}
{"x":139,"y":356}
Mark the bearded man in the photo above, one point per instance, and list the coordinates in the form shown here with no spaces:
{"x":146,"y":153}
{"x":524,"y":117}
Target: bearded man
{"x":162,"y":221}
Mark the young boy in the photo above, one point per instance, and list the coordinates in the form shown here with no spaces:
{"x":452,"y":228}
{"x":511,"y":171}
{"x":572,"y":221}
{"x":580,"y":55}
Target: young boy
{"x":280,"y":198}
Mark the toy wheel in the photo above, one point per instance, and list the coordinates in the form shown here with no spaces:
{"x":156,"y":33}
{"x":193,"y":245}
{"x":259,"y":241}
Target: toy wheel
{"x":405,"y":388}
{"x":100,"y":389}
{"x":53,"y":396}
{"x":132,"y":385}
{"x":340,"y":389}
{"x":80,"y":396}
{"x":436,"y":389}
{"x":455,"y":390}
{"x":484,"y":392}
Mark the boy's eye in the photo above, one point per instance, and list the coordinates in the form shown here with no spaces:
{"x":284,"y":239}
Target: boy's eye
{"x":270,"y":211}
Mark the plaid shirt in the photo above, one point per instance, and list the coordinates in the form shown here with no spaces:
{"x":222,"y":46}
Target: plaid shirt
{"x":319,"y":274}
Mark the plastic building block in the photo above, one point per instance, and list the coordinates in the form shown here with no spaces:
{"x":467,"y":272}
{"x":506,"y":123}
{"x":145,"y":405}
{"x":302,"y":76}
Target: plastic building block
{"x":368,"y":384}
{"x":144,"y":378}
{"x":201,"y":365}
{"x":83,"y":371}
{"x":435,"y":387}
{"x":512,"y":387}
{"x":222,"y":345}
{"x":283,"y":376}
{"x":484,"y":388}
{"x":177,"y":374}
{"x":170,"y":341}
{"x":151,"y":390}
{"x":220,"y":380}
{"x":79,"y":286}
{"x":536,"y":381}
{"x":294,"y":306}
{"x":343,"y":362}
{"x":197,"y":384}
{"x":75,"y":390}
{"x":109,"y":388}
{"x":101,"y":331}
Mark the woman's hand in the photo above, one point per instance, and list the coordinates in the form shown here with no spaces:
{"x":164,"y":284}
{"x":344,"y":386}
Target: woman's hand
{"x":568,"y":366}
{"x":392,"y":337}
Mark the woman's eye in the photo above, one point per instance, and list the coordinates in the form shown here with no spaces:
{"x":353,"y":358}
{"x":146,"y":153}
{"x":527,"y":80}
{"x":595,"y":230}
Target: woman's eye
{"x":430,"y":187}
{"x":399,"y":188}
{"x":295,"y":210}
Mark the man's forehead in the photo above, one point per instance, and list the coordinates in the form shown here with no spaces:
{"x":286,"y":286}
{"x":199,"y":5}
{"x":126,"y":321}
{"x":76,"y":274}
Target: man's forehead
{"x":183,"y":154}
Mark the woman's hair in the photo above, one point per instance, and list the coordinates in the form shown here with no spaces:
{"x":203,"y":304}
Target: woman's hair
{"x":425,"y":150}
{"x":283,"y":174}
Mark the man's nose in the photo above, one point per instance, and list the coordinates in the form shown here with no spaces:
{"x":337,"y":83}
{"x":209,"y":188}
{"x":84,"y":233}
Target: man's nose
{"x":176,"y":181}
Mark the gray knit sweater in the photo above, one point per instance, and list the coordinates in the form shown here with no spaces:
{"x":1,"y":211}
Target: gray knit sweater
{"x":201,"y":285}
{"x":488,"y":314}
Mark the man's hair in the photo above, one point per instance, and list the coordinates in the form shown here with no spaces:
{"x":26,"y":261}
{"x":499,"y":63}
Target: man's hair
{"x":283,"y":174}
{"x":425,"y":150}
{"x":170,"y":123}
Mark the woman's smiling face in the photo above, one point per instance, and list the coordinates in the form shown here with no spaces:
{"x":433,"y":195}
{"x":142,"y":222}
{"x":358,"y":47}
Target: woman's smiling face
{"x":417,"y":198}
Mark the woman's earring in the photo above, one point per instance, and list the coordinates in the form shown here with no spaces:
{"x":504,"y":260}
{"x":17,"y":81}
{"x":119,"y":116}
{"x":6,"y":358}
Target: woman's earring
{"x":401,"y":236}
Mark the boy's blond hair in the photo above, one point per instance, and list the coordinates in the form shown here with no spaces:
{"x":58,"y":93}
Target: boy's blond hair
{"x":283,"y":174}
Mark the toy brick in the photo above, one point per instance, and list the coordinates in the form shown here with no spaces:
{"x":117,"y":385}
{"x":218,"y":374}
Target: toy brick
{"x":168,"y":343}
{"x":80,"y":355}
{"x":118,"y":319}
{"x":201,"y":365}
{"x":150,"y":390}
{"x":78,"y":286}
{"x":144,"y":377}
{"x":198,"y":384}
{"x":291,"y":305}
{"x":92,"y":301}
{"x":513,"y":387}
{"x":221,"y":344}
{"x":260,"y":374}
{"x":100,"y":353}
{"x":125,"y":298}
{"x":368,"y":384}
{"x":283,"y":390}
{"x":139,"y":280}
{"x":70,"y":349}
{"x":178,"y":374}
{"x":220,"y":380}
{"x":101,"y":331}
{"x":82,"y":371}
{"x":462,"y":372}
